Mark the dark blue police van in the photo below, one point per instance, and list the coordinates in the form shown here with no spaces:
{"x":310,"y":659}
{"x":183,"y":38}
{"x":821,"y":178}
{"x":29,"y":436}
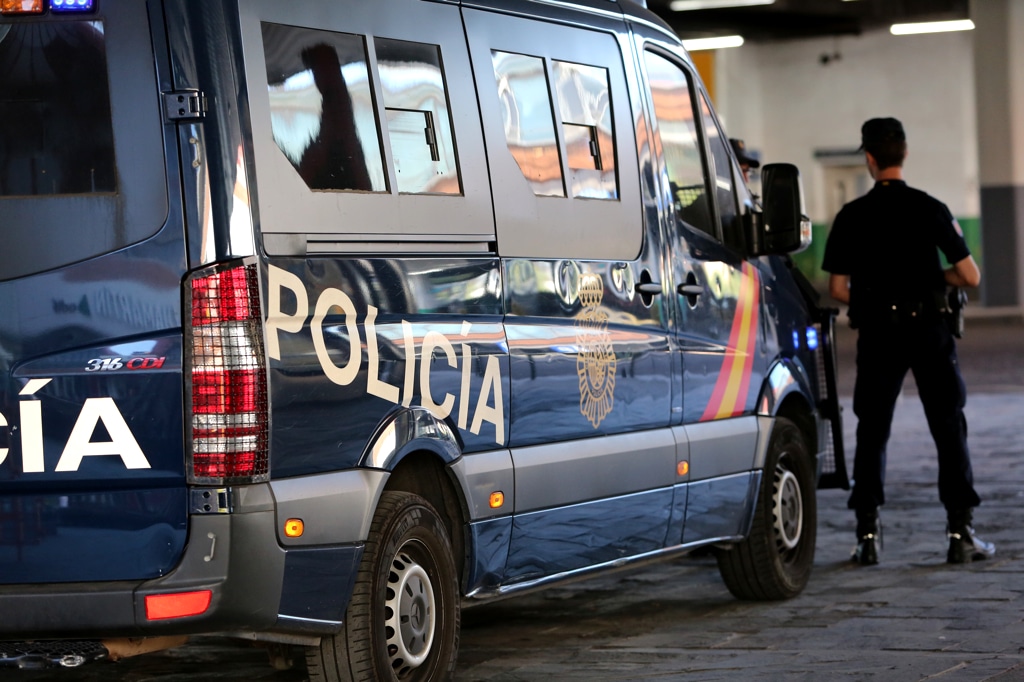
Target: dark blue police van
{"x":324,"y":318}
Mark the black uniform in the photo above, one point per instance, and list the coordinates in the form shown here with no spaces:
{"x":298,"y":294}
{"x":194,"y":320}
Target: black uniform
{"x":887,"y":242}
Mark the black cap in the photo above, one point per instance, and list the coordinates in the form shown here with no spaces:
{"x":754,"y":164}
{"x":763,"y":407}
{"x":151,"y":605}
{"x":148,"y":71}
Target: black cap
{"x":880,"y":130}
{"x":740,"y":150}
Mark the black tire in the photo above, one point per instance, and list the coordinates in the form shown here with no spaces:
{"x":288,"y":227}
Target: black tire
{"x":774,"y":561}
{"x":402,"y":623}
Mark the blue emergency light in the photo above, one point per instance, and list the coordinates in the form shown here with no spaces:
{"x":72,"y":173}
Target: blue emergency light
{"x":40,"y":6}
{"x":812,"y":338}
{"x":72,"y":5}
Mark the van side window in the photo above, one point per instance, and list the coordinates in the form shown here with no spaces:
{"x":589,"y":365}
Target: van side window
{"x":674,"y":112}
{"x":80,"y":176}
{"x":529,"y":121}
{"x":586,"y":114}
{"x":732,"y":230}
{"x":419,"y":126}
{"x":321,"y":107}
{"x":562,"y":147}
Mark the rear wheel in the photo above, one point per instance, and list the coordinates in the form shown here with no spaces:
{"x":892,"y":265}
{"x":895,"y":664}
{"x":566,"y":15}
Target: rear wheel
{"x":774,"y":561}
{"x":402,"y":623}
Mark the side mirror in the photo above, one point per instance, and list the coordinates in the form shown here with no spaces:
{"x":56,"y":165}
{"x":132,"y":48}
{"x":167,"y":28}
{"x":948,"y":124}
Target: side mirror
{"x":782,"y":226}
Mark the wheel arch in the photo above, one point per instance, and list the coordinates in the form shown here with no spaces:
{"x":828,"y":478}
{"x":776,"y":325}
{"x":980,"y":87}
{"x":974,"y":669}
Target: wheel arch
{"x":417,"y":448}
{"x":422,"y":472}
{"x":786,"y":393}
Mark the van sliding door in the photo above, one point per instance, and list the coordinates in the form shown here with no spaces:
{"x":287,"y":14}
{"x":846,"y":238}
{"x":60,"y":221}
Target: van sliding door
{"x":590,"y":361}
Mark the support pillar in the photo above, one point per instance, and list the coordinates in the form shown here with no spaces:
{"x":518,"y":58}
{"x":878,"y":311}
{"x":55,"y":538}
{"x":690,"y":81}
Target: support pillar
{"x":999,"y":99}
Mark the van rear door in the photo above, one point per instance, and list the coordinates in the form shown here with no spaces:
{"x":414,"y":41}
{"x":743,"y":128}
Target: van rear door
{"x":92,"y":482}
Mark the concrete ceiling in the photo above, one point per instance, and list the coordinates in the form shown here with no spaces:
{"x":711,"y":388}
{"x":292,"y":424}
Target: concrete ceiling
{"x":795,"y":19}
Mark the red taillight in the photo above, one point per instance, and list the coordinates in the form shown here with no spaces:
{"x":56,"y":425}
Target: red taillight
{"x":229,"y":386}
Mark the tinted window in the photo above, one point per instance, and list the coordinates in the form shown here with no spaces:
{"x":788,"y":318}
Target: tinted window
{"x":419,"y":126}
{"x":586,"y":113}
{"x":81,"y":147}
{"x":674,"y":111}
{"x":731,"y":228}
{"x":56,"y":135}
{"x":321,"y":107}
{"x":528,"y":120}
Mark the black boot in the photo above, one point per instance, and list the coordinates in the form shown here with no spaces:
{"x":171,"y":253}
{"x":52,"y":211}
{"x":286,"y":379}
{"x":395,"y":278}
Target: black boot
{"x":868,"y":538}
{"x":964,"y":545}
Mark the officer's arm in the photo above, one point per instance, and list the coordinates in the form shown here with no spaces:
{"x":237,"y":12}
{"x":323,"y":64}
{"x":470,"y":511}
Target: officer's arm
{"x":839,"y":287}
{"x":964,"y":273}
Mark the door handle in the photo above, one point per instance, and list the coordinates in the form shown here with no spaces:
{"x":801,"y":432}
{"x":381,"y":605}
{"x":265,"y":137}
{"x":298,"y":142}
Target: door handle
{"x":690,"y":290}
{"x":649,"y":288}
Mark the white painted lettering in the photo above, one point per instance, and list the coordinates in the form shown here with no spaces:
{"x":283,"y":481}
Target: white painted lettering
{"x":32,"y":436}
{"x":374,"y":385}
{"x":432,"y":341}
{"x":410,"y":363}
{"x":485,"y":412}
{"x":490,"y":406}
{"x":335,"y":298}
{"x":467,"y":366}
{"x":3,"y":451}
{"x":278,"y":320}
{"x":122,"y":443}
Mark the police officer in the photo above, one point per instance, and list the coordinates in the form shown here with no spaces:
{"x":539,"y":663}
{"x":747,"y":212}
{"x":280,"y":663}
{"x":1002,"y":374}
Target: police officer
{"x":882,"y":256}
{"x":746,"y":161}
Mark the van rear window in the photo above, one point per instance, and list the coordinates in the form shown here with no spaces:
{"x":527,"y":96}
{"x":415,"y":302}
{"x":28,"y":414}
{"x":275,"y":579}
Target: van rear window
{"x":82,"y":163}
{"x":56,"y":135}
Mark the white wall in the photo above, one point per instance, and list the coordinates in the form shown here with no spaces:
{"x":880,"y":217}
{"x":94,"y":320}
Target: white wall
{"x":787,"y":105}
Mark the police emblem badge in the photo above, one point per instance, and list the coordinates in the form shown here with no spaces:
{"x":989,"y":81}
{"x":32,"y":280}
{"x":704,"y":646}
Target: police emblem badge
{"x":595,"y":362}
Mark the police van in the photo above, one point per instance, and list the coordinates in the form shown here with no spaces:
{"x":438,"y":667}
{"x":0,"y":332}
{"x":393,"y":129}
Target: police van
{"x":323,"y":319}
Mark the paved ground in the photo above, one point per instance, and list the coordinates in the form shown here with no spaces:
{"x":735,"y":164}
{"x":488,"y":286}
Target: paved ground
{"x":913,"y":617}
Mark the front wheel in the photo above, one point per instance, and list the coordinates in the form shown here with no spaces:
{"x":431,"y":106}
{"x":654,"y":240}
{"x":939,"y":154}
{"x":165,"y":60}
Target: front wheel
{"x":774,"y":561}
{"x":402,"y":624}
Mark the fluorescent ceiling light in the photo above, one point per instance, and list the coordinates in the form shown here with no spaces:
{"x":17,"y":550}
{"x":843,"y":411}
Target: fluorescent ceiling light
{"x":932,"y":27}
{"x":686,"y":5}
{"x":712,"y":43}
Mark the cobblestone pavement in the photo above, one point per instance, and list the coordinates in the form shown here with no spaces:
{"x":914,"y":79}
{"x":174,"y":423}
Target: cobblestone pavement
{"x":913,"y":617}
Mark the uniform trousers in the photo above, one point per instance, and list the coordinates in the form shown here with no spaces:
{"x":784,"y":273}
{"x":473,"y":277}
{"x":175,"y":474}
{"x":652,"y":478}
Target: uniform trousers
{"x":885,"y":352}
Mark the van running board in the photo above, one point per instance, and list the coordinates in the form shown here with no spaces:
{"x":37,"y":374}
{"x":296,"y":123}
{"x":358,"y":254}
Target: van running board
{"x":55,"y":654}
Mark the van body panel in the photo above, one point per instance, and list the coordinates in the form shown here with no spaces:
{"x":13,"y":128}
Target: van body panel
{"x":723,"y":446}
{"x":707,"y":519}
{"x":327,"y":401}
{"x":245,"y":593}
{"x":575,"y":536}
{"x":490,"y":539}
{"x":334,"y":507}
{"x":559,"y":474}
{"x":318,"y":583}
{"x":481,"y":474}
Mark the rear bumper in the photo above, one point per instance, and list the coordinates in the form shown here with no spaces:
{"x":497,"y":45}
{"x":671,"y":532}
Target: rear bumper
{"x":234,"y":556}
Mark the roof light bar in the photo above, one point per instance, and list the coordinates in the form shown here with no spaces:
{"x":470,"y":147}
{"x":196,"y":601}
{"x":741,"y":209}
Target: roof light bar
{"x":931,"y":27}
{"x":72,"y":5}
{"x":712,"y":43}
{"x":40,"y":6}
